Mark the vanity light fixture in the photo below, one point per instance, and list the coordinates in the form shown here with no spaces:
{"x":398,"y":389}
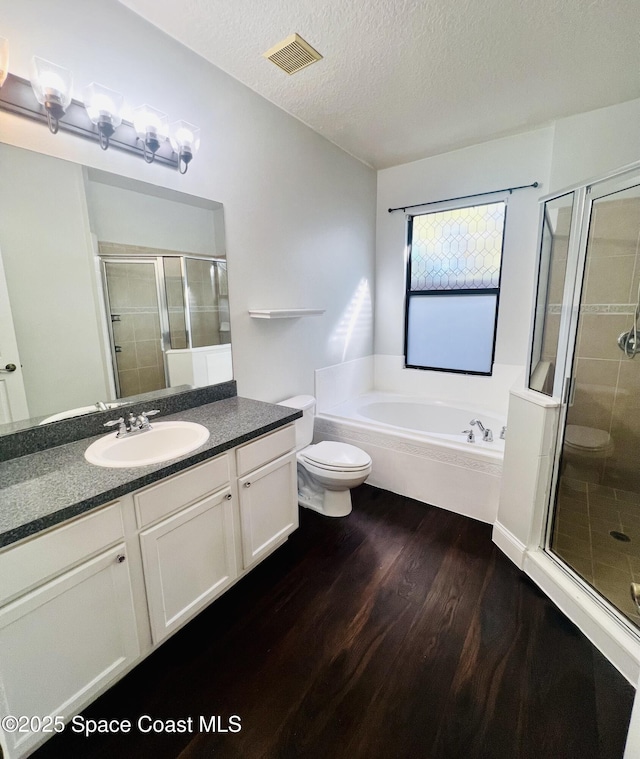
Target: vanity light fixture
{"x":152,"y":128}
{"x":4,"y":59}
{"x":185,"y":141}
{"x":104,"y":107}
{"x":99,"y":115}
{"x":52,"y":87}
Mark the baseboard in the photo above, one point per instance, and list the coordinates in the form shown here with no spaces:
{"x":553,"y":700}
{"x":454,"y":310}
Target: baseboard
{"x":602,"y":626}
{"x":509,"y":544}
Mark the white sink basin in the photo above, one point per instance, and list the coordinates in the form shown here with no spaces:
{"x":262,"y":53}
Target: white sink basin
{"x":164,"y":441}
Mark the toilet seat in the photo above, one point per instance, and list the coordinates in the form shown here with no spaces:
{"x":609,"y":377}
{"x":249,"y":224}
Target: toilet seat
{"x":587,"y":438}
{"x":337,"y":457}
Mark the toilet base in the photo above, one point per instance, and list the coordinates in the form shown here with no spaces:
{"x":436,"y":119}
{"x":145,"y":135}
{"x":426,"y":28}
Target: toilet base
{"x":331,"y":503}
{"x":312,"y":495}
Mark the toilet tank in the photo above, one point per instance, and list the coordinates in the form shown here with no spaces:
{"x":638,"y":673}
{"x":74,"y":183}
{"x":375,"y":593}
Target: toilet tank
{"x":304,"y":425}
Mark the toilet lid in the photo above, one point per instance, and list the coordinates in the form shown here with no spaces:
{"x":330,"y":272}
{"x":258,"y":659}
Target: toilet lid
{"x":337,"y":455}
{"x":587,"y":437}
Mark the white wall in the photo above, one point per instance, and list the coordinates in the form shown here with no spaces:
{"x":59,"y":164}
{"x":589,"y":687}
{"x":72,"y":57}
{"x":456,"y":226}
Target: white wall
{"x":592,"y":144}
{"x":489,"y":166}
{"x":133,"y":218}
{"x":299,"y":212}
{"x":45,"y":239}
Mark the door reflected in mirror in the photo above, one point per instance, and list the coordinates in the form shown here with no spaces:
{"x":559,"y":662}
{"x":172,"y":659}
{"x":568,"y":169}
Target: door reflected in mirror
{"x":109,"y":288}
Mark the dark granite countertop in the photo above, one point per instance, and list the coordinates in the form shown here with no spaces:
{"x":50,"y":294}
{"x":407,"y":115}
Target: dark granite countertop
{"x":46,"y":488}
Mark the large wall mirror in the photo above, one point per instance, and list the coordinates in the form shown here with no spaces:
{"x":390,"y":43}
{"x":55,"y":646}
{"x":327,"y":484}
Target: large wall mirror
{"x":110,"y":289}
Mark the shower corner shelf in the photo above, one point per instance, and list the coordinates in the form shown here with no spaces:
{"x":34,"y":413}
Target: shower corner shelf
{"x":284,"y":313}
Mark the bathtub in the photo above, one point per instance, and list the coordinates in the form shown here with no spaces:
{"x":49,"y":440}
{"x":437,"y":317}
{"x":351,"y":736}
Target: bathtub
{"x":419,"y":450}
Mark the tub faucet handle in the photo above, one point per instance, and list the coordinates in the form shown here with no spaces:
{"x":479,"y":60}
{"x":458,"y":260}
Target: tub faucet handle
{"x":487,"y":435}
{"x":471,"y":438}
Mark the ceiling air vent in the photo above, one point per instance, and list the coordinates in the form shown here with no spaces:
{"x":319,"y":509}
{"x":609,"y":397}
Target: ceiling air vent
{"x":292,"y":54}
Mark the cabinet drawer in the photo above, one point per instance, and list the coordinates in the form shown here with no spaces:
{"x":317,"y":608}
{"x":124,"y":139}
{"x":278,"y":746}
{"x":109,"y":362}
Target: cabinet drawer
{"x":45,"y":556}
{"x":181,"y":490}
{"x":265,"y":449}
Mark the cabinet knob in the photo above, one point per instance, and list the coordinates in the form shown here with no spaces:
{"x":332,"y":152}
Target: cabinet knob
{"x":120,"y":558}
{"x":247,"y":484}
{"x":228,"y":496}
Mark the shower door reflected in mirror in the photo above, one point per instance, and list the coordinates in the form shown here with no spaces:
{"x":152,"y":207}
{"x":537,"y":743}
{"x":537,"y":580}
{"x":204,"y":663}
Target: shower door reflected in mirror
{"x":133,"y":309}
{"x":596,"y":523}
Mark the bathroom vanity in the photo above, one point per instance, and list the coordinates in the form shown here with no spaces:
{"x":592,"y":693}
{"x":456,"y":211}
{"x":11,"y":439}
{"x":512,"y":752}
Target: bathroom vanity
{"x":99,"y":566}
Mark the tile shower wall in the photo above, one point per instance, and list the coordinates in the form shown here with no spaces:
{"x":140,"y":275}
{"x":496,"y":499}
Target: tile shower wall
{"x":607,"y":393}
{"x":133,"y":301}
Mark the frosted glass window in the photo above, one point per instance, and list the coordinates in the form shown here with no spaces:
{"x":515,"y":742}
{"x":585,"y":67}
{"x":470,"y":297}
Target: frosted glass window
{"x":459,"y":249}
{"x":453,"y":332}
{"x":453,"y":285}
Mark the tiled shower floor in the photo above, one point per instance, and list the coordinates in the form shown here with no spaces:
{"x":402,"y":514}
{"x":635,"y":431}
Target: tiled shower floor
{"x":586,"y":514}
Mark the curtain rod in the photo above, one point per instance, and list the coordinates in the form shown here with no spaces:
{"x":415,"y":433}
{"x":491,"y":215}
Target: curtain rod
{"x":464,"y":197}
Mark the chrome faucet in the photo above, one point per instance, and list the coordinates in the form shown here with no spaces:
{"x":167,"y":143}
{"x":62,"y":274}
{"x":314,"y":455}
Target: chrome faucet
{"x":142,"y":420}
{"x":471,"y":438}
{"x":133,"y":424}
{"x":487,"y":435}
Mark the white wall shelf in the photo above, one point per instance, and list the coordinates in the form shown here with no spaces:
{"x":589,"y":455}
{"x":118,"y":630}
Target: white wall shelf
{"x":284,"y":313}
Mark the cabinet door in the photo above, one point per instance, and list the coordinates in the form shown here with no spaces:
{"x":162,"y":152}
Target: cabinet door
{"x":268,"y":507}
{"x":63,"y":642}
{"x":189,"y":559}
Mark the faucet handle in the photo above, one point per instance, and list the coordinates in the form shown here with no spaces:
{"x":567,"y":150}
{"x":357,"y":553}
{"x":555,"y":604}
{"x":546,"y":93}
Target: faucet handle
{"x":113,"y":422}
{"x":470,"y":436}
{"x":122,"y":427}
{"x":142,"y":420}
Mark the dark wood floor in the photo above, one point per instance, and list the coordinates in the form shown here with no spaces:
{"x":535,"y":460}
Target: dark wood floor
{"x":400,"y":631}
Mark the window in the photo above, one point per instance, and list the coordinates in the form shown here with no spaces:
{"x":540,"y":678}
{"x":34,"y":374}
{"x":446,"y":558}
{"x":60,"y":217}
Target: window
{"x":453,"y":286}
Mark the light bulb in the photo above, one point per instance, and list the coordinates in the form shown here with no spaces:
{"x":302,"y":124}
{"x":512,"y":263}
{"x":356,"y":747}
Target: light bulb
{"x":104,"y":107}
{"x":4,"y":60}
{"x":185,"y":141}
{"x":152,"y":127}
{"x":52,"y":87}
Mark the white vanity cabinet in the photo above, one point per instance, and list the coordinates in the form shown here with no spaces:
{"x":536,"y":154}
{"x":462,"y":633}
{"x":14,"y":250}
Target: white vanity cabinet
{"x":67,"y":624}
{"x":84,"y":602}
{"x":189,"y":557}
{"x":268,"y":493}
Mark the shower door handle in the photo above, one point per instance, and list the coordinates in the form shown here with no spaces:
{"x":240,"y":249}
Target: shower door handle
{"x":8,"y":368}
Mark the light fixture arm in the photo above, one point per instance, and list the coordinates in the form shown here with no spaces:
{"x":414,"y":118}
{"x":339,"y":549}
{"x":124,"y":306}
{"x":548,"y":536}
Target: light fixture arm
{"x":184,"y":159}
{"x":151,"y":145}
{"x":105,"y":131}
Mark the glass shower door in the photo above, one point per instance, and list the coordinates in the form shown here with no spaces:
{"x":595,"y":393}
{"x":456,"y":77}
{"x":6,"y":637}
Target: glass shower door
{"x":133,"y":308}
{"x":596,"y":521}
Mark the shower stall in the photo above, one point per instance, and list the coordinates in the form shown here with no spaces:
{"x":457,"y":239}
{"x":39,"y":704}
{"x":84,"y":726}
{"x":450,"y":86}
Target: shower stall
{"x":586,"y":355}
{"x":161,"y":311}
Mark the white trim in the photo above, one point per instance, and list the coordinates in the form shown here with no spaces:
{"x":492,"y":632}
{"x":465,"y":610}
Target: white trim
{"x":608,"y":633}
{"x":510,"y":545}
{"x":613,"y":174}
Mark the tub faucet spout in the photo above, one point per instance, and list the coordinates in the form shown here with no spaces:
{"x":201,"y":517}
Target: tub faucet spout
{"x":487,"y":435}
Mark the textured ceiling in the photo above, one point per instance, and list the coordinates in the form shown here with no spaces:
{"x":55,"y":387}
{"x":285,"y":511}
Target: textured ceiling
{"x":404,"y":79}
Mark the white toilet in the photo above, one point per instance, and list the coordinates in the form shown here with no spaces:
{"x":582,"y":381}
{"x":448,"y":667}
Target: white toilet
{"x":326,"y":471}
{"x":583,"y":450}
